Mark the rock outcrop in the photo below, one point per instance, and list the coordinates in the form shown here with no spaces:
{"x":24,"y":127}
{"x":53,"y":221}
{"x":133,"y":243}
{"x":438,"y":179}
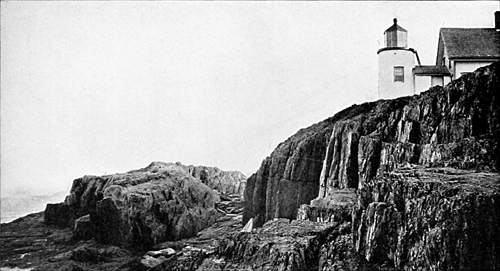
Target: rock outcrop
{"x":137,"y":209}
{"x":337,"y":208}
{"x":289,"y":176}
{"x":455,"y":126}
{"x":432,"y":218}
{"x":225,"y":182}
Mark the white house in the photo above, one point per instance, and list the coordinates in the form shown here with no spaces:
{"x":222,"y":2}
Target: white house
{"x":464,"y":50}
{"x":460,"y":50}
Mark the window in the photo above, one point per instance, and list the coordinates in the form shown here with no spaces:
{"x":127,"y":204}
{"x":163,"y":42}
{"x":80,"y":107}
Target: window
{"x":399,"y":74}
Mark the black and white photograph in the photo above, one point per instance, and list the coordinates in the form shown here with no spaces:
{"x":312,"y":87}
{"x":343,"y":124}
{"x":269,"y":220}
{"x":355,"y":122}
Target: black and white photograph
{"x":249,"y":135}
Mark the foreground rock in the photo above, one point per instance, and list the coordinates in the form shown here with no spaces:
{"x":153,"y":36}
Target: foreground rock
{"x":437,"y":218}
{"x":190,"y":253}
{"x":137,"y":209}
{"x":278,"y":245}
{"x":30,"y":243}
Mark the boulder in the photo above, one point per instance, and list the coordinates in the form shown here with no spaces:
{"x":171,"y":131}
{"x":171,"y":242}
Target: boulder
{"x":150,"y":262}
{"x":57,"y":214}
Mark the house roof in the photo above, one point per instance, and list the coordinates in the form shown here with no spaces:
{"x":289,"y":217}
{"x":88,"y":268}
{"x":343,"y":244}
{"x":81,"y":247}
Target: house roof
{"x":431,"y":70}
{"x":395,"y":27}
{"x":471,"y":42}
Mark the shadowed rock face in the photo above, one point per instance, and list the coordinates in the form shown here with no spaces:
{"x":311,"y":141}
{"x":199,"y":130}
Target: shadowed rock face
{"x":289,"y":176}
{"x":456,"y":126}
{"x":142,"y":207}
{"x":434,"y":218}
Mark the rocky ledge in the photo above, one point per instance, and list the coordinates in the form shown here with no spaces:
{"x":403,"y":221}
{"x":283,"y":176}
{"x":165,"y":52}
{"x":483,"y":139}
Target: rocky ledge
{"x":141,"y":208}
{"x":28,"y":243}
{"x":279,"y":245}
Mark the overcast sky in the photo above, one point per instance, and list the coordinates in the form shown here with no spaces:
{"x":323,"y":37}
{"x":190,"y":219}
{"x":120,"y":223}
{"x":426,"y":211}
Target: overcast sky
{"x":106,"y":87}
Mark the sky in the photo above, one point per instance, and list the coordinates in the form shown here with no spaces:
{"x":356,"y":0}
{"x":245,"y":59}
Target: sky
{"x":91,"y":88}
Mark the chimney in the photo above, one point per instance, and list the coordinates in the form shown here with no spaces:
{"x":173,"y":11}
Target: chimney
{"x":497,"y":20}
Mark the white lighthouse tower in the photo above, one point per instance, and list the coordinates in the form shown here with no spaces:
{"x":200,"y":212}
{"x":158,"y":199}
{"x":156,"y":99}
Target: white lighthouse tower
{"x":395,"y":64}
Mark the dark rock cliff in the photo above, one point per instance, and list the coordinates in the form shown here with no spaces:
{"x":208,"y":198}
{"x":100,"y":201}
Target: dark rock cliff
{"x":289,"y":176}
{"x":456,"y":126}
{"x":413,"y":183}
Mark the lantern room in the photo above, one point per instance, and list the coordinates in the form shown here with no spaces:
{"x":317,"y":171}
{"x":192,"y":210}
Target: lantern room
{"x":395,"y":36}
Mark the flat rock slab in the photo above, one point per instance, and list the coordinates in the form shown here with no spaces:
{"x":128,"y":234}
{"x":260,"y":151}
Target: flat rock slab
{"x":28,"y":243}
{"x":279,"y":244}
{"x":336,"y":207}
{"x":465,"y":180}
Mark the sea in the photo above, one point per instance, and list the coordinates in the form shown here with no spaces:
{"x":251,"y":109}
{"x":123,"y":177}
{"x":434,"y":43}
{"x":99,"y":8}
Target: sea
{"x":13,"y":207}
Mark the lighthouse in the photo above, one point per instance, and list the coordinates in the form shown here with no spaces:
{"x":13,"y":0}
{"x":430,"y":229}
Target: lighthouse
{"x":395,"y":64}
